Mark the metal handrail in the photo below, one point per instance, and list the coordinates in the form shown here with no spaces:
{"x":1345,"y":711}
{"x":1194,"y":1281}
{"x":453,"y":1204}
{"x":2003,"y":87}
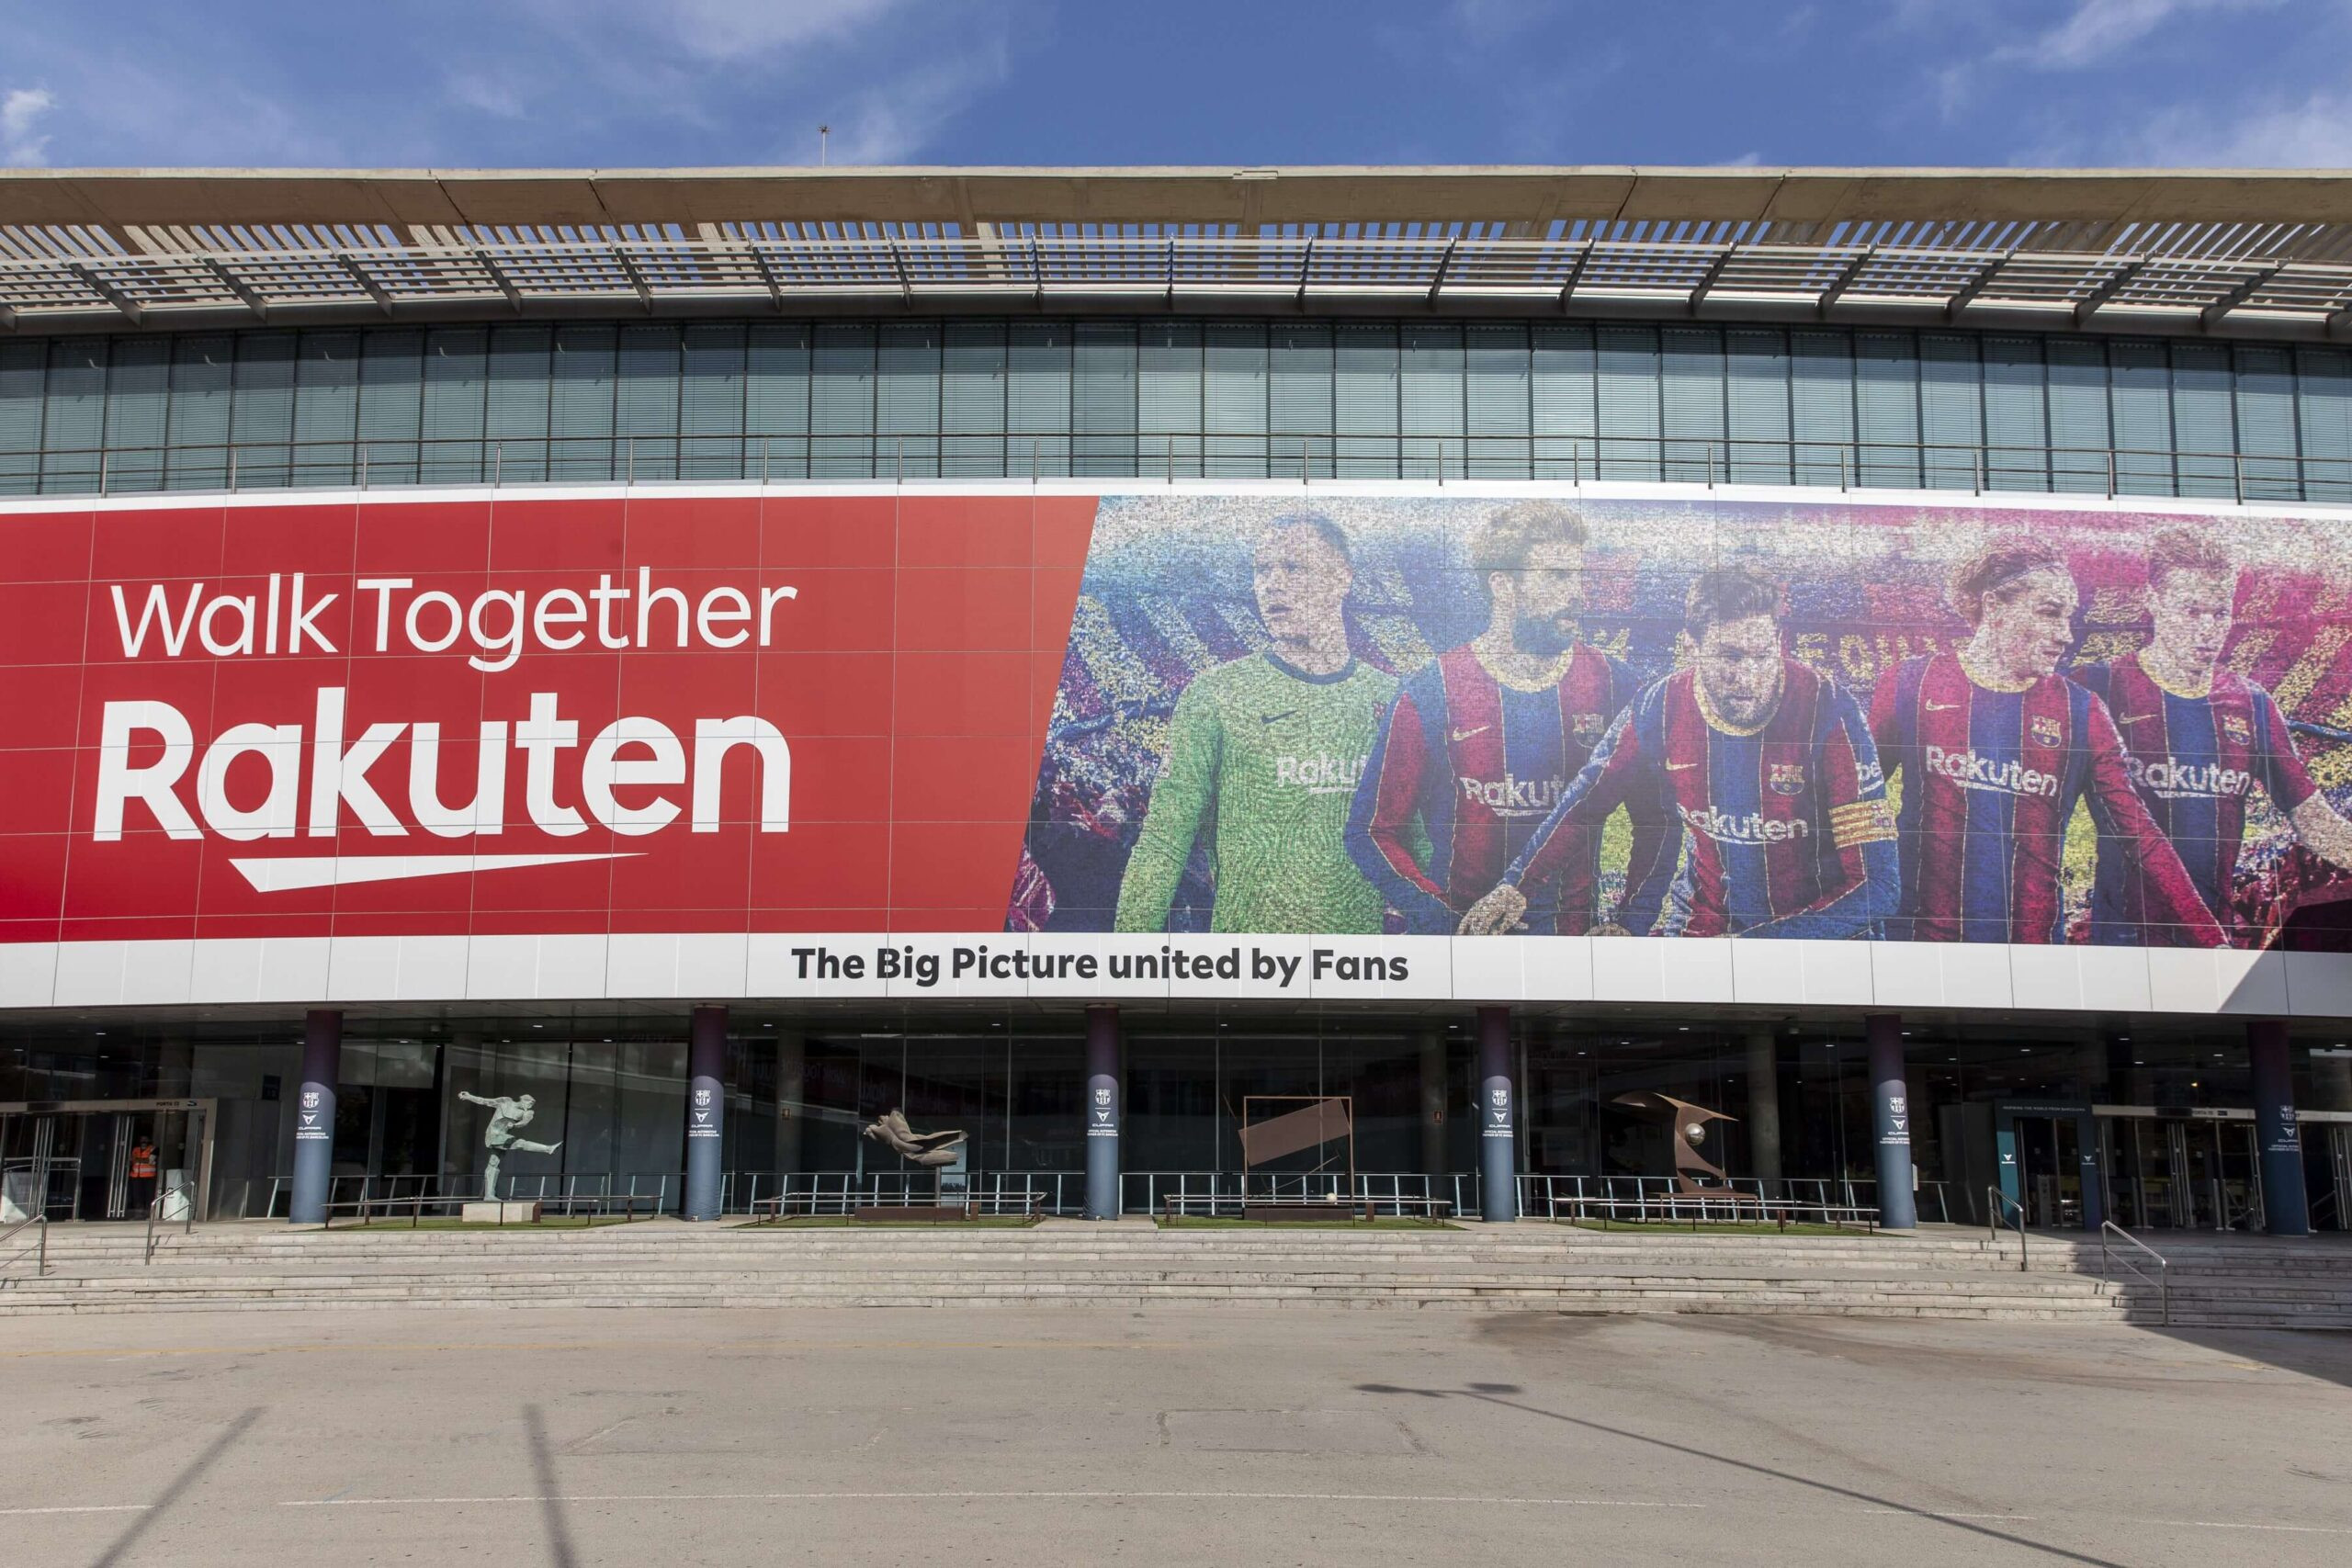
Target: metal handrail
{"x":2001,"y":1200}
{"x":2163,"y":1281}
{"x":41,"y":1247}
{"x":188,"y":1225}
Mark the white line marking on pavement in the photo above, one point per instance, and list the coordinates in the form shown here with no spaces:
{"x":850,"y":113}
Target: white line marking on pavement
{"x":980,"y":1496}
{"x":1932,"y":1514}
{"x":91,"y":1508}
{"x":2225,"y":1525}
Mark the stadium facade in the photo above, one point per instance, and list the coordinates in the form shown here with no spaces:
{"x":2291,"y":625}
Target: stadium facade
{"x":588,"y":684}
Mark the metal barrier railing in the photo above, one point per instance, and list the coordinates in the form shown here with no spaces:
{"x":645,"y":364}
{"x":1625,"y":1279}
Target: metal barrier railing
{"x":813,"y":1204}
{"x":2163,"y":1280}
{"x":967,"y":456}
{"x":593,"y":1205}
{"x":1696,"y":1208}
{"x":1538,"y":1191}
{"x":37,"y":1251}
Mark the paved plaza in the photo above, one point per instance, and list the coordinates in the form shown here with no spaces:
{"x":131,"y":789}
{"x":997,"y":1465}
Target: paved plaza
{"x":1163,"y":1436}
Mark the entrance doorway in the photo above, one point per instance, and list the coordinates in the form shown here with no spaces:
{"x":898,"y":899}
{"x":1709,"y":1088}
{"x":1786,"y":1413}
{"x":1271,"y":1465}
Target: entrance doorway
{"x":2048,"y":1161}
{"x":2185,"y":1169}
{"x":2327,"y":1168}
{"x":102,"y":1159}
{"x":2051,"y":1171}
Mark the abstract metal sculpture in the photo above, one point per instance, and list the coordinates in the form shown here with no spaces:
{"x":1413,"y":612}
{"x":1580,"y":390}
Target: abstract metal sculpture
{"x":933,"y":1149}
{"x":1689,"y":1124}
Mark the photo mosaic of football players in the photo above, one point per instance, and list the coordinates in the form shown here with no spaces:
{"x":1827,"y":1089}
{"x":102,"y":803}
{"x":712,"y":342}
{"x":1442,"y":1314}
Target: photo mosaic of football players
{"x":1482,"y":741}
{"x":1768,"y":767}
{"x":2201,"y":738}
{"x":1994,"y":749}
{"x":1264,"y":753}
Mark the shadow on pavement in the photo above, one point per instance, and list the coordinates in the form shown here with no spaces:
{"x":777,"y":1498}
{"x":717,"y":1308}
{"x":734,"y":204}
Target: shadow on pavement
{"x":188,"y":1477}
{"x":559,"y":1551}
{"x":1497,"y":1392}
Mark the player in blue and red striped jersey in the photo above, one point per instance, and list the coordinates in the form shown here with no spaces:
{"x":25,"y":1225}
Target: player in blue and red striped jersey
{"x":1768,"y":766}
{"x":1481,"y":743}
{"x":1995,"y":748}
{"x":2200,"y":739}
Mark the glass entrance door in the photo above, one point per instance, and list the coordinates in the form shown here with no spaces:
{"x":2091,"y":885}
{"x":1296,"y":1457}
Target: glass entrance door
{"x":2140,"y":1172}
{"x":40,"y":1167}
{"x":96,"y":1160}
{"x":2049,"y":1171}
{"x":2219,"y":1173}
{"x":2327,"y":1174}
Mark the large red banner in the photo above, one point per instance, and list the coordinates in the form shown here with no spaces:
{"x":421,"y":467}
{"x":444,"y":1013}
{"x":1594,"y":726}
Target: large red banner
{"x":556,"y":714}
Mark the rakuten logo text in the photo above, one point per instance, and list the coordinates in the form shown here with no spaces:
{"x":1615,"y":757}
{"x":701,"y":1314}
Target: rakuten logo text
{"x":630,"y":752}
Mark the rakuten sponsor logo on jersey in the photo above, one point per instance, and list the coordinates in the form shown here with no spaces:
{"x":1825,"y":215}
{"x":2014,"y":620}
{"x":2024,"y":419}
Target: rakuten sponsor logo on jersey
{"x":1320,"y":774}
{"x":1753,"y":828}
{"x":1999,"y":776}
{"x":1510,"y":796}
{"x":2169,"y":780}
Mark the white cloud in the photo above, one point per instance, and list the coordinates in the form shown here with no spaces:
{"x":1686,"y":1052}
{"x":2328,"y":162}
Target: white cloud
{"x":21,"y":108}
{"x":2311,"y":132}
{"x":891,"y":122}
{"x":724,"y":29}
{"x":1482,"y":23}
{"x":2098,"y":30}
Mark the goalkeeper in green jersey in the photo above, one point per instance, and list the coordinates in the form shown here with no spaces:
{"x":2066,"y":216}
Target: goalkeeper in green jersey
{"x":1264,"y":756}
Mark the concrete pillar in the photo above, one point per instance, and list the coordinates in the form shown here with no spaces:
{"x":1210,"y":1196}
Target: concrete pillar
{"x":1498,"y":1132}
{"x":1890,"y":1121}
{"x":705,"y":1113}
{"x":1102,"y":1110}
{"x":314,"y":1115}
{"x":1433,"y":1160}
{"x":1764,"y":1109}
{"x":2286,"y":1207}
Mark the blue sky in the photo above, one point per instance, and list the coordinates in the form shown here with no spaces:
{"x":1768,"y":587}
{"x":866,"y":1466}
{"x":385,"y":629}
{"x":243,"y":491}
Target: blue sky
{"x":640,"y":82}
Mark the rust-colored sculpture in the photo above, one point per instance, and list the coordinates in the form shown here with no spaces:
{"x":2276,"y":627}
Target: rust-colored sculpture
{"x":933,"y":1149}
{"x":1689,"y":1124}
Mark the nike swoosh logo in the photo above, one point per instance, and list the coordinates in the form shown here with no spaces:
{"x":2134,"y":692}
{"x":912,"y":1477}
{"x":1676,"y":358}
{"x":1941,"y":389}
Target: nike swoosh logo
{"x":1680,"y":767}
{"x":1939,"y":707}
{"x":284,"y":874}
{"x":1277,"y":717}
{"x":2133,"y":717}
{"x":1466,"y":734}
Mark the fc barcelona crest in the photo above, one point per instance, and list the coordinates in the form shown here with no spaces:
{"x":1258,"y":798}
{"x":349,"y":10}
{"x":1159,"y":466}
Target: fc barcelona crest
{"x":1586,"y":728}
{"x":2046,"y":731}
{"x":1788,"y":778}
{"x":2235,"y":731}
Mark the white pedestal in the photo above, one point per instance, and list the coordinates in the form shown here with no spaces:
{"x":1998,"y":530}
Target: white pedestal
{"x":500,"y":1214}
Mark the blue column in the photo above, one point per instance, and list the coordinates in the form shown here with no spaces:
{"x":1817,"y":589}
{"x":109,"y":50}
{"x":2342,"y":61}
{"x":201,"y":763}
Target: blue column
{"x":2286,"y":1207}
{"x":1103,"y":1109}
{"x":314,"y":1116}
{"x":1891,"y":1119}
{"x":706,"y":1111}
{"x":1497,"y":1129}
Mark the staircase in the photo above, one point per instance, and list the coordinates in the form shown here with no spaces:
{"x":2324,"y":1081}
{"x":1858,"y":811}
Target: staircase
{"x":2216,"y":1281}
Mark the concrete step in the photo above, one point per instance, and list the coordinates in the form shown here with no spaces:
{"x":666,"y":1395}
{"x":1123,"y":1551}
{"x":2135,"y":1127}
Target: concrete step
{"x":1526,"y":1267}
